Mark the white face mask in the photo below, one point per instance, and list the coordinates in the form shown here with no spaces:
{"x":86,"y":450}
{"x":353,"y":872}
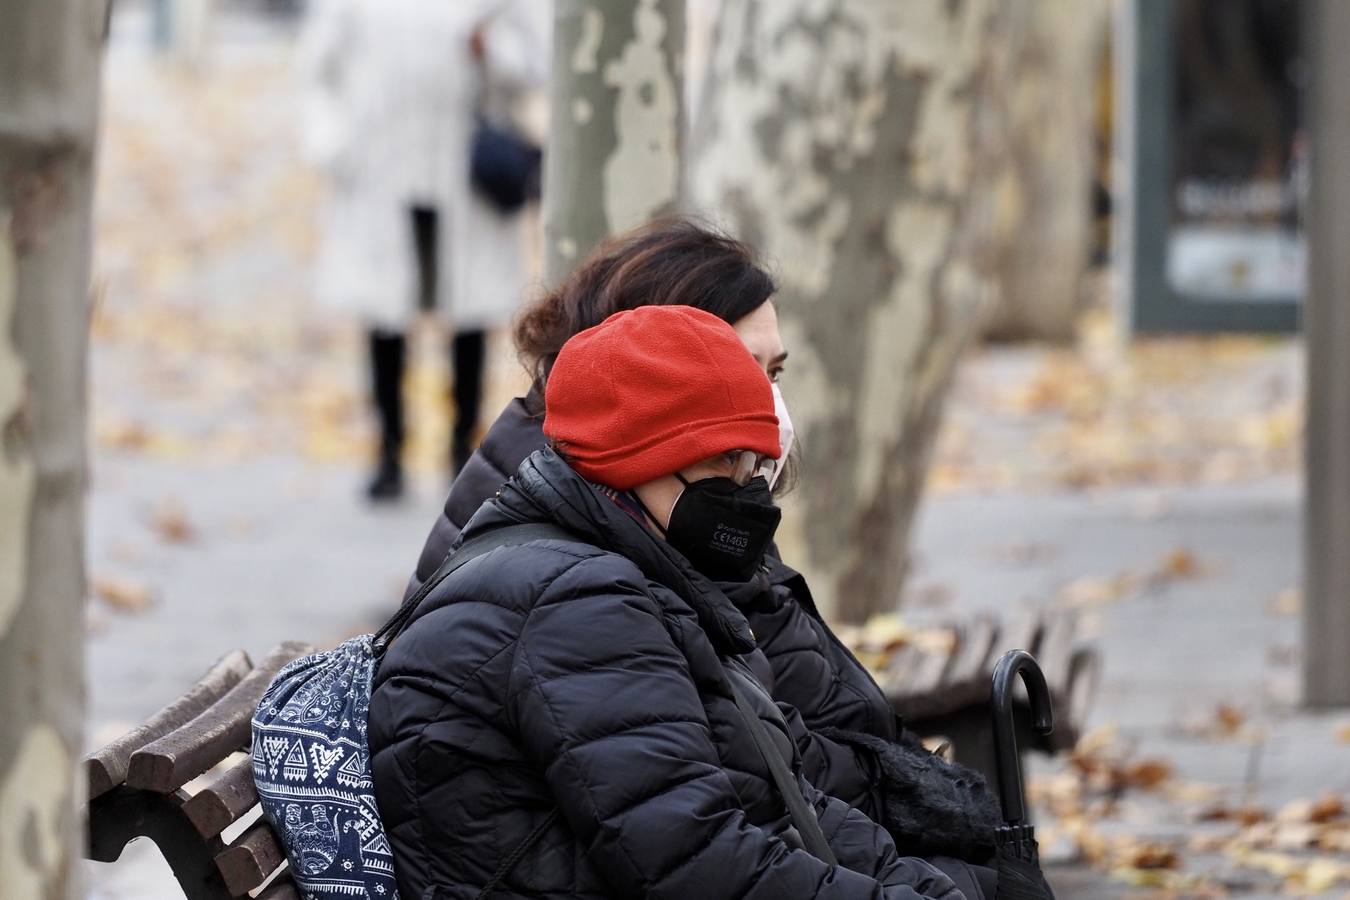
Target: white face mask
{"x":785,"y":433}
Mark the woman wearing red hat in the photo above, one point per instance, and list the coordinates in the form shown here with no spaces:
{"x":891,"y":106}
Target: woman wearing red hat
{"x":929,"y":806}
{"x":569,"y":713}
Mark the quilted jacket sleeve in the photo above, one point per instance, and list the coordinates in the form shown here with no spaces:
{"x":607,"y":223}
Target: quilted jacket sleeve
{"x":604,"y":700}
{"x":864,"y":846}
{"x":838,"y":768}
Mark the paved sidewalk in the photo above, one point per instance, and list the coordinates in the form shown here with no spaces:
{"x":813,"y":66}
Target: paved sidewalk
{"x":1176,"y":650}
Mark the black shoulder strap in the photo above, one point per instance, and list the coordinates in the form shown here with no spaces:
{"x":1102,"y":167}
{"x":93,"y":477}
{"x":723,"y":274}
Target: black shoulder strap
{"x":466,"y":552}
{"x":808,"y":826}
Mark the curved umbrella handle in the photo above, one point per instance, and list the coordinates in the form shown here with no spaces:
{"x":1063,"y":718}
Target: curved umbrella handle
{"x":1005,"y":737}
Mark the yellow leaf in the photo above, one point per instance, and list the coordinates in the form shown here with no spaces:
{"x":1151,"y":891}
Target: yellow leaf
{"x":172,"y":525}
{"x":1228,"y":718}
{"x":1287,"y":603}
{"x":1180,"y":564}
{"x":123,"y":595}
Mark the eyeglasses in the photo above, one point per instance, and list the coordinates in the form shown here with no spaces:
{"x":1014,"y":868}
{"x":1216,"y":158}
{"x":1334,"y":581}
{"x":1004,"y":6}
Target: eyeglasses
{"x":747,"y":464}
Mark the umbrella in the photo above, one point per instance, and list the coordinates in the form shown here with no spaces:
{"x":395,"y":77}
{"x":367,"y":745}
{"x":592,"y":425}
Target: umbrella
{"x":1018,"y":860}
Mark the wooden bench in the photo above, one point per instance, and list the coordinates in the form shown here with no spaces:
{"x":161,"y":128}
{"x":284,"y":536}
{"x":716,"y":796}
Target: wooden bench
{"x":943,"y":690}
{"x":181,"y":781}
{"x":185,"y":777}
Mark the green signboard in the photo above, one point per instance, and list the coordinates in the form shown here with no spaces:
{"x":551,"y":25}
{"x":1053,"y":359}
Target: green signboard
{"x":1218,"y":162}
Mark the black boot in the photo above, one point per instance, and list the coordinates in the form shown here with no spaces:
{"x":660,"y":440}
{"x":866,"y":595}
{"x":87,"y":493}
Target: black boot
{"x":467,"y":356}
{"x":388,"y":351}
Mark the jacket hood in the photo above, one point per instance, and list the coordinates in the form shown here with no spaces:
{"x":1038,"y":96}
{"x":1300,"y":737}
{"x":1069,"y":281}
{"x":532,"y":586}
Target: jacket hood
{"x":546,"y":489}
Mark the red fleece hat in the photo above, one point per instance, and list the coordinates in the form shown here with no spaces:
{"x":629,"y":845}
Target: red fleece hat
{"x":652,"y":390}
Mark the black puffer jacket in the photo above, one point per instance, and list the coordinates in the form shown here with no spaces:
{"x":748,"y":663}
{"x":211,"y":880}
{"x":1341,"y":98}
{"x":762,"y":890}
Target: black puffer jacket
{"x":592,"y":678}
{"x":852,"y":744}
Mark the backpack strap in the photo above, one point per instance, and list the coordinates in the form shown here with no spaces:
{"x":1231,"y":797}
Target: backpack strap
{"x":507,"y":535}
{"x":803,"y":816}
{"x":466,"y":552}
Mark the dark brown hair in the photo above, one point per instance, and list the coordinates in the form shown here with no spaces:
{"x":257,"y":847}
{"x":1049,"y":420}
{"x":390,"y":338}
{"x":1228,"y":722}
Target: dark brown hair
{"x":669,"y":261}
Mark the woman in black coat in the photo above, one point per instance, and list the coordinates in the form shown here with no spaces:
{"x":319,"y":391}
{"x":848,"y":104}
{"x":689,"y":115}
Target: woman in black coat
{"x":853,"y":746}
{"x":560,"y":718}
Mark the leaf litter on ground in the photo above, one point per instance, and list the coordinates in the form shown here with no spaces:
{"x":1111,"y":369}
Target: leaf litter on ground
{"x":1304,"y":847}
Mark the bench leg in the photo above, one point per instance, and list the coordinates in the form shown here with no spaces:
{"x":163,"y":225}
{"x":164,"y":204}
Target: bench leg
{"x":124,"y":814}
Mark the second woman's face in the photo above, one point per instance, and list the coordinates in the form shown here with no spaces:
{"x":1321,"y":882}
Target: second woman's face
{"x":759,"y":332}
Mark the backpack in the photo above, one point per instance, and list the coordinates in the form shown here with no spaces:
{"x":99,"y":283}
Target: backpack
{"x":311,"y":759}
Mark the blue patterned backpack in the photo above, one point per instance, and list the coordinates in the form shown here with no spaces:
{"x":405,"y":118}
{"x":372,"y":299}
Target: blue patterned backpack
{"x":311,"y":764}
{"x":311,"y":761}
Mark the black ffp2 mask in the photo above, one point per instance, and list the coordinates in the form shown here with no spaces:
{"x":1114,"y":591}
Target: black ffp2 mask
{"x":723,"y":528}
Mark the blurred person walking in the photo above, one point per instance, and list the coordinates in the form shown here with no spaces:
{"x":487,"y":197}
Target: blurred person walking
{"x":396,"y":90}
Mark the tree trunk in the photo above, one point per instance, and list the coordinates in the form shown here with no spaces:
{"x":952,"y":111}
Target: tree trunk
{"x":1048,"y":64}
{"x":49,"y":81}
{"x":616,"y":122}
{"x":841,"y":138}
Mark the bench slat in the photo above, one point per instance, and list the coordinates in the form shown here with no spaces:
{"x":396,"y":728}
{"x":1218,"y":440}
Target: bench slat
{"x":973,"y":654}
{"x":932,"y":667}
{"x":1084,"y":675}
{"x":963,"y":680}
{"x":224,"y":800}
{"x":1024,"y":635}
{"x":250,"y":860}
{"x":170,"y":761}
{"x":107,"y":768}
{"x":1055,"y":652}
{"x":893,"y":678}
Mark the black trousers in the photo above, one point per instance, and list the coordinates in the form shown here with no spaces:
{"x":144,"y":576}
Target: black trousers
{"x":388,"y":356}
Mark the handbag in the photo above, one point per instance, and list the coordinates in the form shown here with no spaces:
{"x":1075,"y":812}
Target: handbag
{"x":505,"y":167}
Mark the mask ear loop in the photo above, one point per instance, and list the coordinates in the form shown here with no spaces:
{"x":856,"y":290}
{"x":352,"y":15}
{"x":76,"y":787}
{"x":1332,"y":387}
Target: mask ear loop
{"x":648,"y":513}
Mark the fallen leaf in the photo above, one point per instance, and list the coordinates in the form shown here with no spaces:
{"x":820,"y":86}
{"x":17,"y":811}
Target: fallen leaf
{"x":1192,"y":792}
{"x":1150,"y":855}
{"x":1281,"y":865}
{"x":1327,"y":809}
{"x":1295,"y":811}
{"x":1287,"y":603}
{"x":122,"y":434}
{"x":1243,"y":815}
{"x":1145,"y":774}
{"x":1093,"y":590}
{"x":1229,"y":719}
{"x":1324,"y":874}
{"x":1180,"y":564}
{"x":1294,"y":836}
{"x":172,"y":525}
{"x":122,"y":594}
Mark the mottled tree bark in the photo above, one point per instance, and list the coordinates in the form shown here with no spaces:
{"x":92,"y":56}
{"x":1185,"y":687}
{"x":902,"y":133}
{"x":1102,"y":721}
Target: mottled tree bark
{"x":49,"y":78}
{"x":616,"y":122}
{"x":841,"y":138}
{"x":1045,"y":64}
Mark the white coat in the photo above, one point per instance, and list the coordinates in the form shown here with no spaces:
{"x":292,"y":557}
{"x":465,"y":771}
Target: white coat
{"x":392,"y":92}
